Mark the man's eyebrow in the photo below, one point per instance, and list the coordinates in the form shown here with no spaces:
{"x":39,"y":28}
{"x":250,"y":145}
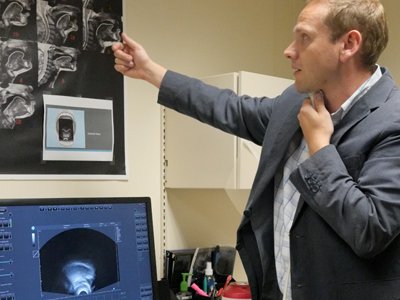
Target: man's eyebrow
{"x":303,"y":29}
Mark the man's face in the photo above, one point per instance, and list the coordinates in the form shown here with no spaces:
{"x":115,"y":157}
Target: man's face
{"x":314,"y":57}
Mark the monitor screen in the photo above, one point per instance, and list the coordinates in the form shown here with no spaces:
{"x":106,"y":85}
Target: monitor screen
{"x":77,"y":248}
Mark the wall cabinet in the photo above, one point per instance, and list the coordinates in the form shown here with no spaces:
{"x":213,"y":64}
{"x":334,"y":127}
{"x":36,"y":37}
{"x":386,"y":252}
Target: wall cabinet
{"x":199,"y":156}
{"x":209,"y":173}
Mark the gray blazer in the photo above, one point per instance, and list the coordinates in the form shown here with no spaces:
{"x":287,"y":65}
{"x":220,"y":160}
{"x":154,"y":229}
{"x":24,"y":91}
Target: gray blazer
{"x":345,"y":240}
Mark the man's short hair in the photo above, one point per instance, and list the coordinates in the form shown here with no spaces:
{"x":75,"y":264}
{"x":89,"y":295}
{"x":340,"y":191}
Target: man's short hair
{"x":366,"y":16}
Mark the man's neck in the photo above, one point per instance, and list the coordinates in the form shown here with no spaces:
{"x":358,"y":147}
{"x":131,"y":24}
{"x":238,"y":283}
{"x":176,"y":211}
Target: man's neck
{"x":337,"y":94}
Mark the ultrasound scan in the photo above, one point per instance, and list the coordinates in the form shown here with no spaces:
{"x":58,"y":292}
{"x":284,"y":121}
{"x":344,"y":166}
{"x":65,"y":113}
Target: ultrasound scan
{"x":78,"y":262}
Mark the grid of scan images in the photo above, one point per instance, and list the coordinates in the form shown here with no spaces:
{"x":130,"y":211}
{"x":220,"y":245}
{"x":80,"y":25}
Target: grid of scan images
{"x":55,"y":47}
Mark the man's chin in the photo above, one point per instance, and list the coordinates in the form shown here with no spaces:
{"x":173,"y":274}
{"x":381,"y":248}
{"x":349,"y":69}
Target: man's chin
{"x":304,"y":89}
{"x":301,"y":88}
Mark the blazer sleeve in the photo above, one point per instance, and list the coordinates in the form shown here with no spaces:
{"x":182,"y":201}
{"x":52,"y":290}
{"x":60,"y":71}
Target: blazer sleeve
{"x":244,"y":116}
{"x":364,"y":212}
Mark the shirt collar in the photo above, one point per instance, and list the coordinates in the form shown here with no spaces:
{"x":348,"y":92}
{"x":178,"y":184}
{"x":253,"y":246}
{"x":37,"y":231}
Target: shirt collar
{"x":361,"y":91}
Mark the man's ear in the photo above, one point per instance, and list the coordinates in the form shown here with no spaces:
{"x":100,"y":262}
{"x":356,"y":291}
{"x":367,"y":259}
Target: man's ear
{"x":351,"y":45}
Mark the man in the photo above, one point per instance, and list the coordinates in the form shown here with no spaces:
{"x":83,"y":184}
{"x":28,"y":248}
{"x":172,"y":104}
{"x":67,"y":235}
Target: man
{"x":323,"y":218}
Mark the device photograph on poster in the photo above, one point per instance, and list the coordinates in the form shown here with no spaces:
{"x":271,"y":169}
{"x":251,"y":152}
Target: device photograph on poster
{"x":77,"y":129}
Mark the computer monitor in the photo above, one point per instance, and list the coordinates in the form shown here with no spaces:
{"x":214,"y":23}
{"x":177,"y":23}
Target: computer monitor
{"x":77,"y":248}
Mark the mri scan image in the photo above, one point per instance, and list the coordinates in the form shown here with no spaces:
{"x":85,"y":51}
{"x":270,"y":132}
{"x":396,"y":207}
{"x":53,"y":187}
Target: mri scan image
{"x":100,"y":29}
{"x":16,"y":15}
{"x":18,"y":59}
{"x":52,"y":61}
{"x":78,"y":262}
{"x":108,"y":6}
{"x":58,"y":23}
{"x":16,"y":102}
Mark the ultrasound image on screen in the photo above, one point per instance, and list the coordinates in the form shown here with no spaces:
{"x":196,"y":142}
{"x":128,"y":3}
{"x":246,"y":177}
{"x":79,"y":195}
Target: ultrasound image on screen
{"x":78,"y":262}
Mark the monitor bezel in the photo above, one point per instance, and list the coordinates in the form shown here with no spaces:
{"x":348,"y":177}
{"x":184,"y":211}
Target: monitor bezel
{"x":99,"y":200}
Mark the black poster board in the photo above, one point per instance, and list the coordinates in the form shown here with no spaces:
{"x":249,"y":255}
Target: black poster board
{"x":60,"y":48}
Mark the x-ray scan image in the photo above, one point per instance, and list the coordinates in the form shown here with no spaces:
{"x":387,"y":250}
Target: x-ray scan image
{"x":100,"y":29}
{"x":59,"y":24}
{"x":18,"y":60}
{"x":52,"y":61}
{"x":16,"y":102}
{"x":78,"y":262}
{"x":16,"y":15}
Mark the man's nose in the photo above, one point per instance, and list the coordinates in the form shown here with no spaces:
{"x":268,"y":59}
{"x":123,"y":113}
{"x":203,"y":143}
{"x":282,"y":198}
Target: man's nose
{"x":290,"y":51}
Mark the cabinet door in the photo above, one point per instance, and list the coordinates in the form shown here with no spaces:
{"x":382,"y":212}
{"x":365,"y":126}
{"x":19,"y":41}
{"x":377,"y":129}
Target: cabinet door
{"x":199,"y":156}
{"x":256,"y":85}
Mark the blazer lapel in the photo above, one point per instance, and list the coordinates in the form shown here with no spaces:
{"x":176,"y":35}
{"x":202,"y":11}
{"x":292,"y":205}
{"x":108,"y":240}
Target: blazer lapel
{"x":288,"y":129}
{"x":274,"y":150}
{"x":374,"y":98}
